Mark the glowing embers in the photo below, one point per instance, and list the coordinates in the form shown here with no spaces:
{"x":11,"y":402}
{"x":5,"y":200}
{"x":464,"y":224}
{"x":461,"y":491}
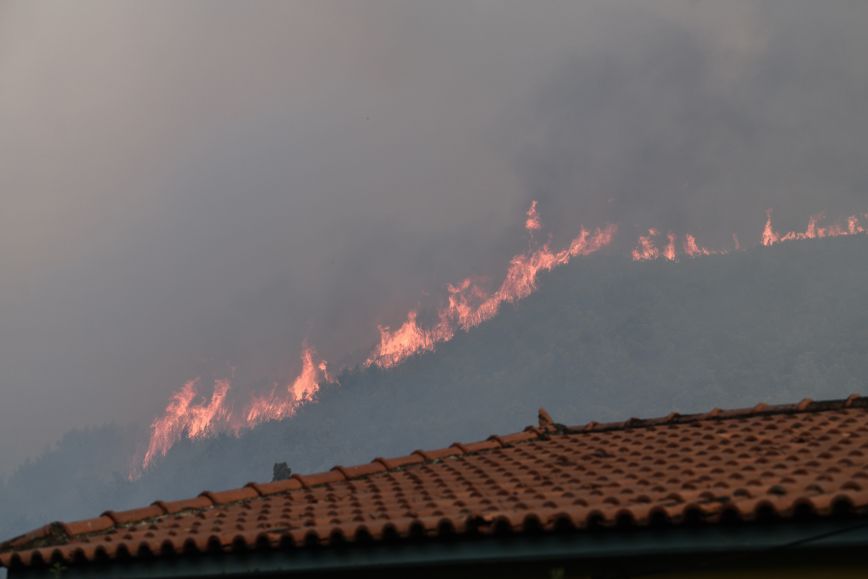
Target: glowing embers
{"x":851,"y":226}
{"x":468,"y":304}
{"x":651,"y":246}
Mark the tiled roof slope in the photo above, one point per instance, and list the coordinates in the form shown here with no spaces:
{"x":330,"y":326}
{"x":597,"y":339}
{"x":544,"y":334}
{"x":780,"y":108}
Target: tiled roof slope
{"x":805,"y":459}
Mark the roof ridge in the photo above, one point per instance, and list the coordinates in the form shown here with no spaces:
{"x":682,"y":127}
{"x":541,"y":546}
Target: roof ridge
{"x":57,"y":532}
{"x":761,"y":409}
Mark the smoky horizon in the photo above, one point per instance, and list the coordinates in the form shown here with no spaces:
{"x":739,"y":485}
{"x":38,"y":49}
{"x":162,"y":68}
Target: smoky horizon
{"x":206,"y":190}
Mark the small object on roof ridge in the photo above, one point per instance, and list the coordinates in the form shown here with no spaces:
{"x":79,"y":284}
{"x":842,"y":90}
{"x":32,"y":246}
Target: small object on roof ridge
{"x":545,"y":420}
{"x":280,"y":471}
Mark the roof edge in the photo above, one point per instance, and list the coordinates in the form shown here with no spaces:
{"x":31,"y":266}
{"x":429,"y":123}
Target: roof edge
{"x":768,"y":538}
{"x":58,"y":532}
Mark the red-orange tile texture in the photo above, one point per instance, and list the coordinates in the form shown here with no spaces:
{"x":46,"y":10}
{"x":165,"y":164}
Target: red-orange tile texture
{"x":768,"y":461}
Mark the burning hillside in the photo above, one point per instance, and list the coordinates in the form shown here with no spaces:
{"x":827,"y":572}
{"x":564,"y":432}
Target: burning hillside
{"x":190,"y":415}
{"x":467,"y":304}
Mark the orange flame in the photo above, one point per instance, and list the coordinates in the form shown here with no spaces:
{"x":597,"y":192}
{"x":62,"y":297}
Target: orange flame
{"x":813,"y":231}
{"x":282,"y":403}
{"x":469,"y":305}
{"x":192,"y":415}
{"x":532,"y":223}
{"x":669,"y":252}
{"x":646,"y":247}
{"x":407,"y":340}
{"x":693,"y":249}
{"x":185,"y":417}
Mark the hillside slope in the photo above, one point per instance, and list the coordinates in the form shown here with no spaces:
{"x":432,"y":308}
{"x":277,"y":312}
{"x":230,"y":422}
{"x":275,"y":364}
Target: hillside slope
{"x":603,"y":339}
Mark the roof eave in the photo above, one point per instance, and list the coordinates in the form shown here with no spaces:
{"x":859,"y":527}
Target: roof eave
{"x":750,"y":539}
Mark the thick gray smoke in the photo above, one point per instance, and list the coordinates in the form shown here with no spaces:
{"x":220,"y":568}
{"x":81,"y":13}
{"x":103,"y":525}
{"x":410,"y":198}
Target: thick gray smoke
{"x":195,"y":188}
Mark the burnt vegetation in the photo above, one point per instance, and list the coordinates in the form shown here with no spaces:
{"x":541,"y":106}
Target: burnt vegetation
{"x":603,"y":339}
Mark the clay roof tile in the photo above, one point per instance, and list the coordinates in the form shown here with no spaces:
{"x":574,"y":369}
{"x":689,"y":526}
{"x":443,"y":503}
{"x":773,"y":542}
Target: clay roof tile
{"x":275,"y":487}
{"x":472,"y":447}
{"x":134,"y":515}
{"x":172,"y":507}
{"x":400,"y":461}
{"x":748,"y":464}
{"x":362,"y":470}
{"x":439,"y":454}
{"x":232,"y":495}
{"x":319,"y":478}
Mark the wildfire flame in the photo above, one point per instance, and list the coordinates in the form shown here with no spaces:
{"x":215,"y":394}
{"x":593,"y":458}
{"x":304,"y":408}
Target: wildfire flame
{"x":282,"y":403}
{"x":189,"y":415}
{"x":814,"y":230}
{"x":646,"y":247}
{"x":469,"y":304}
{"x":192,"y":415}
{"x":532,"y":223}
{"x":186,"y":417}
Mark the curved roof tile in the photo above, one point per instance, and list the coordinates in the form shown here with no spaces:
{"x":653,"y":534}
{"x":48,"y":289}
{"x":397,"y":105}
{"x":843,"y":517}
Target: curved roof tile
{"x":787,"y":461}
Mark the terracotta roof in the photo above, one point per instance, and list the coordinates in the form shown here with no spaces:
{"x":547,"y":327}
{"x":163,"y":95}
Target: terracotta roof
{"x":790,"y":461}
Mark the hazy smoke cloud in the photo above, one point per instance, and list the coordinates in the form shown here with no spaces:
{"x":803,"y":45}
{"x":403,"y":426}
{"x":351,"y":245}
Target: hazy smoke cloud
{"x":702,"y":119}
{"x":196,"y":188}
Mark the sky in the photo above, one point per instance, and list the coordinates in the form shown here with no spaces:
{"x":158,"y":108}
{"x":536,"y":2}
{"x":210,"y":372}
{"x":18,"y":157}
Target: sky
{"x":199,"y":188}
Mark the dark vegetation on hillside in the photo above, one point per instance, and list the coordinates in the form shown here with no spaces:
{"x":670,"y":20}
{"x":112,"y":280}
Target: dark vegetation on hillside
{"x":603,"y":339}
